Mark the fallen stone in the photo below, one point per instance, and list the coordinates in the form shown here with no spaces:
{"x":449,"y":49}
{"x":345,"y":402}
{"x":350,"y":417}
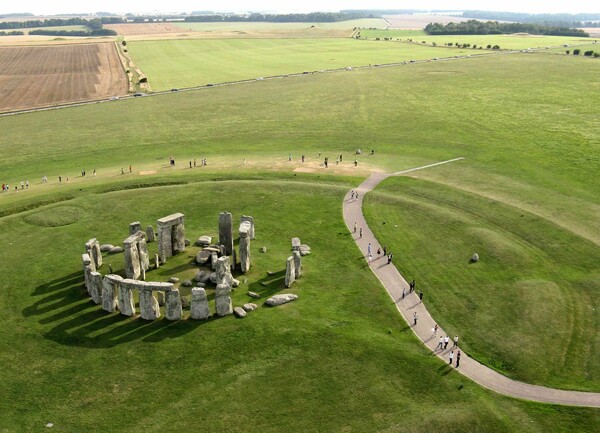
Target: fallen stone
{"x":263,"y":249}
{"x":213,"y":249}
{"x":475,"y":258}
{"x":283,"y":298}
{"x":203,"y":285}
{"x":253,"y":295}
{"x":187,"y":283}
{"x":105,"y":248}
{"x":173,"y":280}
{"x":199,"y":276}
{"x":135,"y":227}
{"x":115,"y":250}
{"x":203,"y":241}
{"x":240,"y":312}
{"x":250,"y":307}
{"x":304,"y":250}
{"x":235,"y":283}
{"x":203,"y":257}
{"x":187,"y":242}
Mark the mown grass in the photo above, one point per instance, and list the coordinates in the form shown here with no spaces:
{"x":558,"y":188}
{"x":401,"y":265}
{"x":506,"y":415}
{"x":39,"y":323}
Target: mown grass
{"x":185,"y":63}
{"x":67,"y":362}
{"x":512,"y":42}
{"x":533,"y":295}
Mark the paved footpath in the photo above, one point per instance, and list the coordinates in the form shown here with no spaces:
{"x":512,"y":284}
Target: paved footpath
{"x":394,"y":283}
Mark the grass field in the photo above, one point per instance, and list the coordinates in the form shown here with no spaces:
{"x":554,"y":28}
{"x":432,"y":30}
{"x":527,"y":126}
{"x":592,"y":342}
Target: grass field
{"x":512,"y":42}
{"x":525,"y":309}
{"x":177,"y":63}
{"x":56,"y":29}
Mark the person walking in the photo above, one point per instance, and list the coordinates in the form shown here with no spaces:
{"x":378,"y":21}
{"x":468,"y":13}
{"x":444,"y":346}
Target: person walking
{"x":435,"y":329}
{"x":390,"y":256}
{"x":455,"y":341}
{"x":440,"y":343}
{"x":412,"y":286}
{"x":370,"y":258}
{"x":385,"y":250}
{"x":403,"y":292}
{"x":450,"y":357}
{"x":420,"y":296}
{"x":446,"y":341}
{"x":354,"y":226}
{"x":369,"y":248}
{"x":415,"y":318}
{"x":457,"y":358}
{"x":360,"y":233}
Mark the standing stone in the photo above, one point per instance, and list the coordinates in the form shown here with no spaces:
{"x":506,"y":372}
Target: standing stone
{"x":143,"y":252}
{"x":132,"y":258}
{"x":110,"y":288}
{"x":226,"y":232}
{"x":173,"y":309}
{"x":223,"y":302}
{"x":179,"y":238}
{"x":245,"y":246}
{"x":160,"y":297}
{"x":125,"y":301}
{"x":150,"y":235}
{"x":251,"y":221}
{"x":295,"y":244}
{"x":135,"y":227}
{"x":156,"y":261}
{"x":290,"y":271}
{"x":199,"y":309}
{"x":213,"y":261}
{"x":92,"y":248}
{"x":224,"y":271}
{"x":165,"y":243}
{"x":297,"y":264}
{"x":88,"y":268}
{"x":96,"y":287}
{"x":149,"y":308}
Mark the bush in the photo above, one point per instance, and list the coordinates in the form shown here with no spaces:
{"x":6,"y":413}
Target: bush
{"x":576,"y":52}
{"x":489,"y":46}
{"x":596,"y":55}
{"x":567,"y":52}
{"x":124,"y":43}
{"x":496,"y":47}
{"x":143,"y":80}
{"x":589,"y":53}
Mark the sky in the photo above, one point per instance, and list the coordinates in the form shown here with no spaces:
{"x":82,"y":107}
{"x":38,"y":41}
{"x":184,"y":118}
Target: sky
{"x":50,"y":7}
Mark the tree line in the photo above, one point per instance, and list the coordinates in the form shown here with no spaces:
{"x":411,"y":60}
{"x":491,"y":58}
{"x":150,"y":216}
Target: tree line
{"x":313,"y":17}
{"x":83,"y":33}
{"x":474,"y":27}
{"x":94,"y":24}
{"x":559,"y":20}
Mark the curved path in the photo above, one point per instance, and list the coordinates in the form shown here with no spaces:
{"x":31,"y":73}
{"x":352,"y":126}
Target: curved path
{"x":394,"y":283}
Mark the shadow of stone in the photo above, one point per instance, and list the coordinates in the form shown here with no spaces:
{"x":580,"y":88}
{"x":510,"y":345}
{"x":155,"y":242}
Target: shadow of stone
{"x":59,"y":283}
{"x":268,"y":285}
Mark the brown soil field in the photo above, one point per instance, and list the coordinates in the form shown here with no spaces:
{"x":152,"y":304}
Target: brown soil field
{"x":32,"y":77}
{"x":29,"y":40}
{"x":143,"y":28}
{"x":249,"y":34}
{"x":419,"y":21}
{"x":593,"y":31}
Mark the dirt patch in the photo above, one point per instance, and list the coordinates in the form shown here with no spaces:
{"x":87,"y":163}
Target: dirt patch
{"x":419,"y":21}
{"x":148,"y":172}
{"x":43,"y":76}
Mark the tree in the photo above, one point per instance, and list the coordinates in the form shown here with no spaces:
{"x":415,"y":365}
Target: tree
{"x":576,"y":52}
{"x":567,"y":52}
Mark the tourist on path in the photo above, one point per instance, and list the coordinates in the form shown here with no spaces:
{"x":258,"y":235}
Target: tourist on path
{"x":415,"y":318}
{"x":421,"y":296}
{"x":440,"y":343}
{"x":385,"y":250}
{"x":446,"y":341}
{"x":450,"y":357}
{"x":403,"y":292}
{"x":435,"y":329}
{"x":455,"y":341}
{"x":369,"y":248}
{"x":390,"y":256}
{"x":457,"y":358}
{"x":360,"y":233}
{"x":354,"y":226}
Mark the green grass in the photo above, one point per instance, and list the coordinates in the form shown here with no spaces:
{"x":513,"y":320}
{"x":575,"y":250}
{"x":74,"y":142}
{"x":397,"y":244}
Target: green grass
{"x":512,"y":42}
{"x":241,"y":26}
{"x":65,"y":361}
{"x":185,"y":63}
{"x":529,"y":139}
{"x":57,"y":29}
{"x":532,"y":296}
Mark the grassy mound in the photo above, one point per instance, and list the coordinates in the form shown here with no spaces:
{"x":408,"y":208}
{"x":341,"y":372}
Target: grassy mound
{"x":55,"y":216}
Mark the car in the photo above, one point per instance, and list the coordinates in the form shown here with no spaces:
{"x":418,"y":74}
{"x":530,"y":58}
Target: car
{"x":376,"y":64}
{"x":348,"y":68}
{"x":413,"y":61}
{"x":436,"y":58}
{"x":138,"y":94}
{"x":114,"y":98}
{"x":175,"y":89}
{"x":209,"y":85}
{"x":260,"y":78}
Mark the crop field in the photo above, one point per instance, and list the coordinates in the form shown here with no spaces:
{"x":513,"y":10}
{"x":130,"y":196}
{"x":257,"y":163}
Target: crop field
{"x":43,"y":76}
{"x":176,"y":63}
{"x":525,"y":197}
{"x":418,"y":21}
{"x":142,"y":28}
{"x":57,"y":29}
{"x":268,"y":26}
{"x":513,"y":42}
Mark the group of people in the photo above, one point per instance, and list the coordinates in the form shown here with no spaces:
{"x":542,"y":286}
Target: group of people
{"x":24,"y":185}
{"x":202,"y":162}
{"x":443,"y":345}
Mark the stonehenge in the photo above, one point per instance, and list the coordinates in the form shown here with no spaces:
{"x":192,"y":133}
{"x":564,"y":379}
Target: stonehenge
{"x":135,"y":227}
{"x":110,"y":288}
{"x":297,"y":264}
{"x":136,"y":255}
{"x":199,"y":307}
{"x":223,"y":301}
{"x":247,"y":218}
{"x":150,"y":235}
{"x":173,"y":308}
{"x":226,"y":232}
{"x":171,"y":236}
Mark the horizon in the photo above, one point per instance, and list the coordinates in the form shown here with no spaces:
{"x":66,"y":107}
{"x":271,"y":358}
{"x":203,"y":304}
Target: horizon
{"x":154,"y":7}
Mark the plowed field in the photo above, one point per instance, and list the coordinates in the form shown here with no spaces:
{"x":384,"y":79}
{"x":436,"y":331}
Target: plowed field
{"x":143,"y":28}
{"x":42,"y":76}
